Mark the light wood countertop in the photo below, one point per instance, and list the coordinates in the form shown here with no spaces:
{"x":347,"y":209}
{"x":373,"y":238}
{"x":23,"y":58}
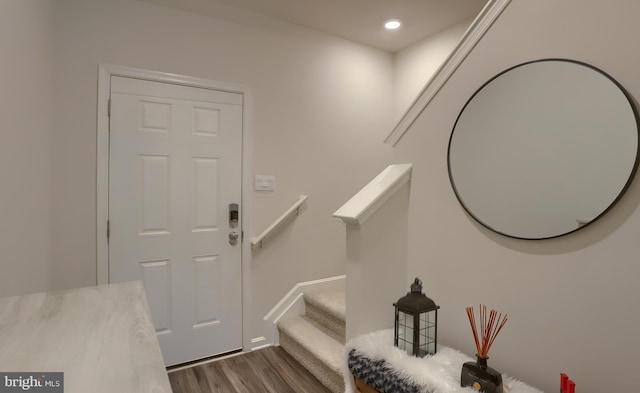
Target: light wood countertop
{"x":101,"y":337}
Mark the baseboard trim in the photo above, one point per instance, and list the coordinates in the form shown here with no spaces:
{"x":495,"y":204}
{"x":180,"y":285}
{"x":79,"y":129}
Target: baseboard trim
{"x":260,"y":343}
{"x":291,"y":304}
{"x":200,"y":362}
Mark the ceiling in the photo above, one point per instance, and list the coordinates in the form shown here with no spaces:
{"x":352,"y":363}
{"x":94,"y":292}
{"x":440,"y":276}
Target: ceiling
{"x":357,"y":20}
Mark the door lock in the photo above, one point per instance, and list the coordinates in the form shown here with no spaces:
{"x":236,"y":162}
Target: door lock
{"x":233,"y":215}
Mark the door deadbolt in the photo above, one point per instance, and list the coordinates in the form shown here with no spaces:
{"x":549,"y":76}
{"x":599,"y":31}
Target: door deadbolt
{"x":233,"y":215}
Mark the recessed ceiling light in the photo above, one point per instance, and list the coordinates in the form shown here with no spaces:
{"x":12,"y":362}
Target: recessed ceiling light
{"x":392,"y":24}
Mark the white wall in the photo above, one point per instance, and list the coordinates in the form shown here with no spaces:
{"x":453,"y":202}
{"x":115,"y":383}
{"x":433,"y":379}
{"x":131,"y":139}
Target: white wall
{"x":572,"y":301}
{"x":321,"y":109}
{"x":26,"y":28}
{"x":414,"y":66}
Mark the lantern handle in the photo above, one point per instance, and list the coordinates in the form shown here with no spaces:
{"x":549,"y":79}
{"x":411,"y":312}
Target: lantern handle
{"x":416,"y":287}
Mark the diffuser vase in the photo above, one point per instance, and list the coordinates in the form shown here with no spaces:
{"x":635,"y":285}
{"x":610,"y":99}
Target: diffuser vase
{"x":481,"y":377}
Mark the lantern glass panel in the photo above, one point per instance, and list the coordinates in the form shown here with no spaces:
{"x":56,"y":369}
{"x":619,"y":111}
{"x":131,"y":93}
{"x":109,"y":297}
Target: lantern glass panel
{"x":427,"y":334}
{"x":405,"y":332}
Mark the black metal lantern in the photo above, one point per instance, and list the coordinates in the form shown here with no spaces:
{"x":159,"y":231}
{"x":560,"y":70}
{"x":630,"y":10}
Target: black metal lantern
{"x":416,"y":327}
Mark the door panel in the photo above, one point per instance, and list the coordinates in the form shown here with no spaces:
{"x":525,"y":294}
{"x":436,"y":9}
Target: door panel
{"x":174,"y":168}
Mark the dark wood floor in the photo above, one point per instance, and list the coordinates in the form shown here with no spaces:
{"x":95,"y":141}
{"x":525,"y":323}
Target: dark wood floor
{"x":269,"y":370}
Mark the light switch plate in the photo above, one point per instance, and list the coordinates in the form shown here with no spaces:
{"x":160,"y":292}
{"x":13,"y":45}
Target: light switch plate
{"x":265,"y":183}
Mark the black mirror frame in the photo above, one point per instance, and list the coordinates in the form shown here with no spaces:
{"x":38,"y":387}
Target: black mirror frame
{"x":633,"y":105}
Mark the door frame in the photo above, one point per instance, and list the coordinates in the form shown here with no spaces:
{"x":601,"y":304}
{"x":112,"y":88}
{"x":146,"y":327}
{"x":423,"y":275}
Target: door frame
{"x":105,"y":72}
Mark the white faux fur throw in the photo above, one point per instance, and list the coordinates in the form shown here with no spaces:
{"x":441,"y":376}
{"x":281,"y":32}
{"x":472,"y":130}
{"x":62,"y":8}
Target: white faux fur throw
{"x":439,"y":373}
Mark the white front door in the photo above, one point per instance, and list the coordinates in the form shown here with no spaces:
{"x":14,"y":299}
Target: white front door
{"x":174,"y":170}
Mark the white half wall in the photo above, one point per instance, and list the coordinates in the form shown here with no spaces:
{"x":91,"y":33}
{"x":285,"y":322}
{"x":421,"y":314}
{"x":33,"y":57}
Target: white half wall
{"x":377,"y":266}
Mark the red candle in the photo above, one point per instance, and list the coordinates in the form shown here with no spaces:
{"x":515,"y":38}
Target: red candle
{"x":563,"y":383}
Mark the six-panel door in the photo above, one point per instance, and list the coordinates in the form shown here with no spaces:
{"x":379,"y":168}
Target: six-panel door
{"x":174,"y":167}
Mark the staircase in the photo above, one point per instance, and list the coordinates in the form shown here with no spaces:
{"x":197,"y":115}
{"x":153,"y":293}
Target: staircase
{"x":316,"y":339}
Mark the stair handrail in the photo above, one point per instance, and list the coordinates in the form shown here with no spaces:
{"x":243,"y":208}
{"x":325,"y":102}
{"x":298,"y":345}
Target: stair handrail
{"x":470,"y":38}
{"x":295,"y":207}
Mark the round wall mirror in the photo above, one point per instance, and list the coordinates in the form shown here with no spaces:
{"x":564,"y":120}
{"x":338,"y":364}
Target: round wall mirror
{"x":544,"y":148}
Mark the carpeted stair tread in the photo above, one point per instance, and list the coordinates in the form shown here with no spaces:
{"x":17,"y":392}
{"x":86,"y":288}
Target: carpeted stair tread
{"x":326,"y":349}
{"x":330,"y":325}
{"x":317,"y":352}
{"x":316,"y":340}
{"x":332,"y":301}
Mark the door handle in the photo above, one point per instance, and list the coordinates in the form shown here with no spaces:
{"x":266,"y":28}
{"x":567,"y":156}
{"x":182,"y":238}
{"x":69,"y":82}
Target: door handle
{"x":233,"y":238}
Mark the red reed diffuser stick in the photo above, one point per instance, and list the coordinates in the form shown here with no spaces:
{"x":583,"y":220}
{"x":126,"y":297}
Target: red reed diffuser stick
{"x":490,"y":326}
